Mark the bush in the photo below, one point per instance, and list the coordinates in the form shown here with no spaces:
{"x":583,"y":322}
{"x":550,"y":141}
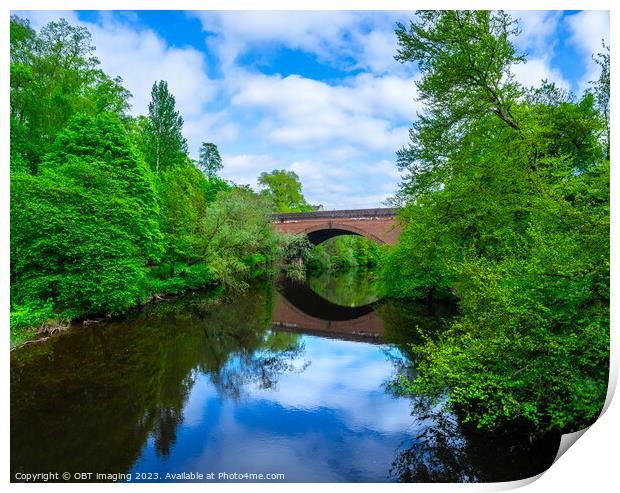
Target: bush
{"x":186,"y":279}
{"x":24,"y":320}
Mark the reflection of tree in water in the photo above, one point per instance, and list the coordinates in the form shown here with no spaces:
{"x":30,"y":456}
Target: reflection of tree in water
{"x":407,"y":322}
{"x":447,"y":450}
{"x":89,"y":399}
{"x":239,"y":349}
{"x":354,"y":287}
{"x":236,"y":349}
{"x":261,"y":367}
{"x":165,"y":429}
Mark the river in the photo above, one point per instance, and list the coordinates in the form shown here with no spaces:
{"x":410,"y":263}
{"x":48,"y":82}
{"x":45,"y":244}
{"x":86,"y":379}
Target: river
{"x":289,"y":379}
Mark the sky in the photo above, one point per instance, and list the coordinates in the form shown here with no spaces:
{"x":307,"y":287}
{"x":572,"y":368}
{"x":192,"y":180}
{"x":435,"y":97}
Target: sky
{"x":317,"y":93}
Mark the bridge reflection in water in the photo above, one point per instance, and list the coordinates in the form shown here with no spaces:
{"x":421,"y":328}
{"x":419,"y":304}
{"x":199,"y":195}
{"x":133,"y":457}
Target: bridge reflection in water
{"x":297,"y":308}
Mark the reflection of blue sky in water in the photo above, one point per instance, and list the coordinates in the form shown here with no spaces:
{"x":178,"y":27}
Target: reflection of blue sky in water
{"x":332,"y":421}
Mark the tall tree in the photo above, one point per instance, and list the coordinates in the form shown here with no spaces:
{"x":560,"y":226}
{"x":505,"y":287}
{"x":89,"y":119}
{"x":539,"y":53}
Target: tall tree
{"x":165,"y":144}
{"x":465,"y":59}
{"x":209,"y":159}
{"x":283,"y":189}
{"x":54,"y":74}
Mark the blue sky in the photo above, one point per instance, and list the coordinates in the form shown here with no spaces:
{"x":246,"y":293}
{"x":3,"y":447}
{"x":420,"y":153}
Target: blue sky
{"x":318,"y":93}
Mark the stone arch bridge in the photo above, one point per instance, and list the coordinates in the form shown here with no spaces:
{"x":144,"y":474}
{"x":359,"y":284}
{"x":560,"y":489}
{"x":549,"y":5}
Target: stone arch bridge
{"x":379,"y":225}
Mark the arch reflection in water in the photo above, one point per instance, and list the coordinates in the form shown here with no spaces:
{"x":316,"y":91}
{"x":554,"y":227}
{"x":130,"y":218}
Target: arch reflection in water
{"x":299,"y":308}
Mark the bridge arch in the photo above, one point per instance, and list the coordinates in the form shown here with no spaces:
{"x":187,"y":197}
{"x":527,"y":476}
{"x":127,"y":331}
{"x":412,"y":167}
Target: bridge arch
{"x":322,"y":232}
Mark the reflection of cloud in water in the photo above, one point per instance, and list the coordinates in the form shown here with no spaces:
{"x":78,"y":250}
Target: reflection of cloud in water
{"x":331,"y":422}
{"x":347,"y":377}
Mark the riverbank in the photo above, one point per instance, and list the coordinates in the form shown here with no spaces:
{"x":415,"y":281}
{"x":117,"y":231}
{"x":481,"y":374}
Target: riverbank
{"x":31,"y":323}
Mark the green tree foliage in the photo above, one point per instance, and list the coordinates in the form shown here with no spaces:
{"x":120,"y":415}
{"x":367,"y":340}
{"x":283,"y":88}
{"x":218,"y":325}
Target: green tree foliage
{"x":209,"y":160}
{"x":184,"y":204}
{"x":506,"y":208}
{"x":184,"y":195}
{"x":165,"y":145}
{"x":54,"y":75}
{"x":296,"y":247}
{"x":84,"y":227}
{"x":102,"y":142}
{"x":344,"y":252}
{"x":601,"y":86}
{"x":283,"y":189}
{"x":236,"y":227}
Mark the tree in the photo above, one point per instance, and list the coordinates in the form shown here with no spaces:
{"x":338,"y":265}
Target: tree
{"x":283,"y":189}
{"x":236,"y":226}
{"x":184,"y":202}
{"x":54,"y":75}
{"x":600,"y":87}
{"x":85,"y":227}
{"x":209,"y":159}
{"x":506,"y":210}
{"x":165,"y":144}
{"x":465,"y":59}
{"x":96,"y":230}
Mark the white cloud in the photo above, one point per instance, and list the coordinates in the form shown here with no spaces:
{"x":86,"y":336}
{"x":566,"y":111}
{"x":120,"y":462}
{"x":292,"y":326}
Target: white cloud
{"x":216,"y":127}
{"x":341,"y":38}
{"x":588,"y":29}
{"x":357,"y":183}
{"x":235,"y":32}
{"x":535,"y":70}
{"x":341,"y":153}
{"x":141,"y":58}
{"x":364,"y":111}
{"x":538,"y":31}
{"x":245,"y":168}
{"x":377,"y":51}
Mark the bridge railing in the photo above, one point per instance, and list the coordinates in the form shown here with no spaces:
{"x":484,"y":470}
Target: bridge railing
{"x":350,"y":213}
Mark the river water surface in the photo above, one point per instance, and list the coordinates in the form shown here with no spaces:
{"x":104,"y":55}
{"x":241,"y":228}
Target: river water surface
{"x":289,"y":378}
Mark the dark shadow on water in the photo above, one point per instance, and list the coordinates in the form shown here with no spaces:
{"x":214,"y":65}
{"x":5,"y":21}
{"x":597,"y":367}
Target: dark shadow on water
{"x":88,"y":400}
{"x":304,"y":298}
{"x":447,"y":451}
